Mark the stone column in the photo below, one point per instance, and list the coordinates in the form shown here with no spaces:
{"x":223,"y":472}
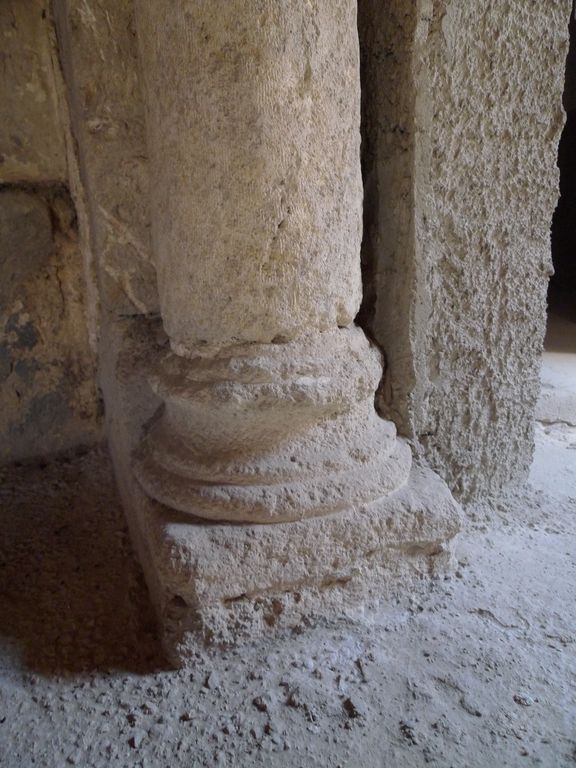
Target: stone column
{"x":253,"y":111}
{"x":266,"y":387}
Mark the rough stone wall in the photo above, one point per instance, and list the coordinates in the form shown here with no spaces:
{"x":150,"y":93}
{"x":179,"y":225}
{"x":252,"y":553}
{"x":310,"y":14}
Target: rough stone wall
{"x":464,"y":166}
{"x":48,"y":395}
{"x":97,"y":45}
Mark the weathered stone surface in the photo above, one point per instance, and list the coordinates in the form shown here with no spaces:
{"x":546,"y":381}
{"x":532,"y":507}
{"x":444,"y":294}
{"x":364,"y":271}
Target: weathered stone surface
{"x":268,"y":407}
{"x":48,"y":399}
{"x":32,"y":139}
{"x":563,"y":235}
{"x":461,"y":133}
{"x":253,"y":120}
{"x":26,"y":242}
{"x":274,"y":432}
{"x":227,"y":582}
{"x":232,"y":582}
{"x":97,"y":45}
{"x":253,"y":133}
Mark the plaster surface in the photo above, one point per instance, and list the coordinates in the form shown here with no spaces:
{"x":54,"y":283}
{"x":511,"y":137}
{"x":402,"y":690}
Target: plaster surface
{"x":460,"y":165}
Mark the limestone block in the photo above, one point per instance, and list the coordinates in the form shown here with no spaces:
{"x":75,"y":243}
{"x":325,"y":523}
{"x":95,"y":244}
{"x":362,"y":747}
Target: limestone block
{"x":227,"y":583}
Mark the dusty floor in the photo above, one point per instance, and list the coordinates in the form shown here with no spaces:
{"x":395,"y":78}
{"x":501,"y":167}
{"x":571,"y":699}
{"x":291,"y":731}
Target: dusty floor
{"x":558,"y":396}
{"x":476,"y":670}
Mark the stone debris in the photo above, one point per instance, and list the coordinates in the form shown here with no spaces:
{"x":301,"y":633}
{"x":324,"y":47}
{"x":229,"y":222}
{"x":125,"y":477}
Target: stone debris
{"x":260,"y":703}
{"x":352,"y":708}
{"x":407,"y":731}
{"x":523,"y":699}
{"x":137,"y":737}
{"x":212,"y":681}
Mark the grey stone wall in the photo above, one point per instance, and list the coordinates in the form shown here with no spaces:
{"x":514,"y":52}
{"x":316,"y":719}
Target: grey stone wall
{"x":462,"y":116}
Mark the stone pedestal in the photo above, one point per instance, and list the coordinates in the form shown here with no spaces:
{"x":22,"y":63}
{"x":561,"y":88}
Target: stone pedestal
{"x":261,"y":473}
{"x":226,"y":583}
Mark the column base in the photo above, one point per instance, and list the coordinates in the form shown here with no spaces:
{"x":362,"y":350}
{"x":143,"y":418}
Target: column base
{"x":271,"y":433}
{"x":223,"y":583}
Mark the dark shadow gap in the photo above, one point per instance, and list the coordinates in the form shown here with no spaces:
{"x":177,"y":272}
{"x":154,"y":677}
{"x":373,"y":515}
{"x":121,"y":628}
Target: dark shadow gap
{"x":562,"y":288}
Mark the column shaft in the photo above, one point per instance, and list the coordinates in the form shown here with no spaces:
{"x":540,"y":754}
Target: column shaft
{"x":253,"y":110}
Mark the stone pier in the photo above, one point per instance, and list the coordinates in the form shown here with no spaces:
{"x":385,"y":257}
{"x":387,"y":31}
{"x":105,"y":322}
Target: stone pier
{"x":261,"y":486}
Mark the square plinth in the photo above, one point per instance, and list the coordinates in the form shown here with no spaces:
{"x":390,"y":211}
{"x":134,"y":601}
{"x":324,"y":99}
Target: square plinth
{"x":227,"y":582}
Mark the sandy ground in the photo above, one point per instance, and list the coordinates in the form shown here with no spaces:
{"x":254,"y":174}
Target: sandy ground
{"x":475,"y":670}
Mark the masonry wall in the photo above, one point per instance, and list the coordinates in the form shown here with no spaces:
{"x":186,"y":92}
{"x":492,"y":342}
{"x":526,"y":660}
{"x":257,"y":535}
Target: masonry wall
{"x":462,"y":115}
{"x":48,"y":395}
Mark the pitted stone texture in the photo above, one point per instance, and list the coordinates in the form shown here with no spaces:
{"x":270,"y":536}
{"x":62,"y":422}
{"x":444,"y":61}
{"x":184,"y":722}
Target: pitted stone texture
{"x":228,"y":583}
{"x":273,"y":432}
{"x":461,"y":276}
{"x":253,"y":129}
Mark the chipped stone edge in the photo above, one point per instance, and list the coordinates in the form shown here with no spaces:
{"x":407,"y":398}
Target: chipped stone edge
{"x":227,"y":584}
